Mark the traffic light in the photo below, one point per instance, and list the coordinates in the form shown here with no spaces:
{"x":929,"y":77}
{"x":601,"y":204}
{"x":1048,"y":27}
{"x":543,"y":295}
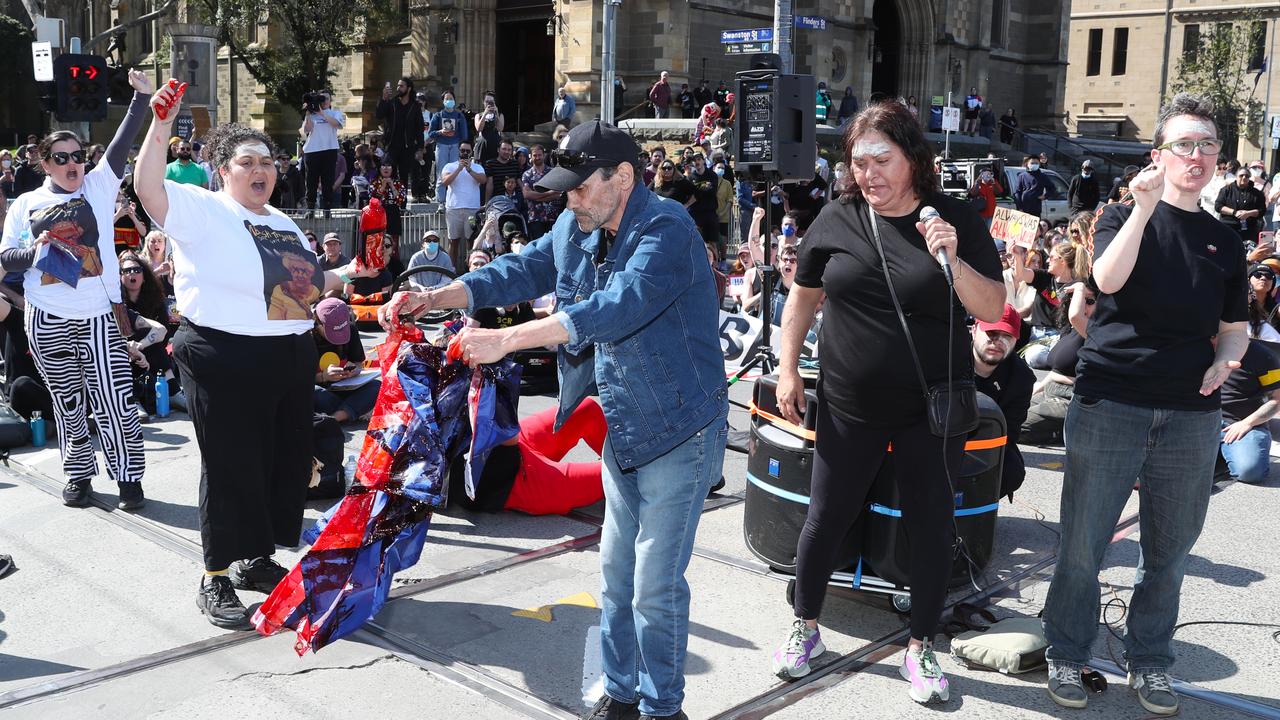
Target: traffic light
{"x":83,"y":87}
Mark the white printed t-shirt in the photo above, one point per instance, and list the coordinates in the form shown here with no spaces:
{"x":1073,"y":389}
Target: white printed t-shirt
{"x":85,"y":221}
{"x":238,"y":271}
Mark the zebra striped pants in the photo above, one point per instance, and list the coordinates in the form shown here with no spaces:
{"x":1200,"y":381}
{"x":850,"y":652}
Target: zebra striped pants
{"x":88,"y":358}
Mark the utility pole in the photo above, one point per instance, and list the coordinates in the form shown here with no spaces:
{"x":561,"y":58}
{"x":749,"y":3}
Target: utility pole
{"x":783,"y":26}
{"x":608,"y":56}
{"x":1264,"y":142}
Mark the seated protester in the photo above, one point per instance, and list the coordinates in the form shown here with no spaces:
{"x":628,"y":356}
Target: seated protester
{"x":430,"y":254}
{"x":1250,"y":397}
{"x":1052,"y":394}
{"x":496,"y":318}
{"x":722,"y":280}
{"x":23,"y":385}
{"x":513,"y":191}
{"x":341,"y":357}
{"x":1263,"y":321}
{"x":528,"y":472}
{"x":129,"y":228}
{"x":331,"y":257}
{"x":785,"y":260}
{"x":374,"y":290}
{"x":158,"y":258}
{"x":1004,"y":376}
{"x":1068,"y":263}
{"x":143,"y":293}
{"x":148,"y":359}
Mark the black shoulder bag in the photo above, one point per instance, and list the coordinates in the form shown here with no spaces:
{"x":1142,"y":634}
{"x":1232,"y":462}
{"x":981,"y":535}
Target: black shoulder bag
{"x":952,"y":406}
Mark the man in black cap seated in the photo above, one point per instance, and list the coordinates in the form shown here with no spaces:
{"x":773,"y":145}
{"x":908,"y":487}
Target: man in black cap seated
{"x":1006,"y":378}
{"x":636,"y":321}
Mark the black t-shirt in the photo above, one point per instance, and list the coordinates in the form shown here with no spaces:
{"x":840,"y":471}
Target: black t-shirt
{"x":500,"y":171}
{"x":679,"y":189}
{"x":806,"y":200}
{"x":1010,"y":385}
{"x":867,"y":371}
{"x":496,"y":319}
{"x":704,"y":194}
{"x":1246,"y":388}
{"x":1065,"y":353}
{"x":330,"y":354}
{"x":340,"y":262}
{"x":1149,"y":344}
{"x":496,"y":480}
{"x":1049,"y":295}
{"x":369,"y":286}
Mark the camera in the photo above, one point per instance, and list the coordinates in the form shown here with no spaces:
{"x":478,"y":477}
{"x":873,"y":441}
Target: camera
{"x":312,"y":101}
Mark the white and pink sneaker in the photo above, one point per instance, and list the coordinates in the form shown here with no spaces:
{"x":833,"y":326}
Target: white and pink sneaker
{"x":792,"y":659}
{"x":921,"y":669}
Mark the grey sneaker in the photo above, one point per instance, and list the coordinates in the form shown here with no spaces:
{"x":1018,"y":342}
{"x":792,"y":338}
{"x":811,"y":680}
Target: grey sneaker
{"x":1065,"y":687}
{"x":1154,"y":690}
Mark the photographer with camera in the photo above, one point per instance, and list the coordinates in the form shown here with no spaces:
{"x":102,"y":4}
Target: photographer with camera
{"x":320,"y":150}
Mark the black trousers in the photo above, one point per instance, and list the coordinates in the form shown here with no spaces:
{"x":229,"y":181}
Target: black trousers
{"x":320,"y":166}
{"x":250,"y":400}
{"x":405,"y":164}
{"x":847,"y":456}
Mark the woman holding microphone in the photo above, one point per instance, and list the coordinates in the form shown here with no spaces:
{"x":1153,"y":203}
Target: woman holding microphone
{"x":245,"y":281}
{"x":869,"y":391}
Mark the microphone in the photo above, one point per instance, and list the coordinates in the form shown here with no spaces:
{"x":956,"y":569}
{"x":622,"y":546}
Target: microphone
{"x":928,"y":213}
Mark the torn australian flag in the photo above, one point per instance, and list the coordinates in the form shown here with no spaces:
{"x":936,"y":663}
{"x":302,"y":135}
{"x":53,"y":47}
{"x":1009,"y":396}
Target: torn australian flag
{"x":427,"y":409}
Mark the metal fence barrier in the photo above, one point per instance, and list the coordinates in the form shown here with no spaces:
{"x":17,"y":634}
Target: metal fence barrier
{"x":346,"y":223}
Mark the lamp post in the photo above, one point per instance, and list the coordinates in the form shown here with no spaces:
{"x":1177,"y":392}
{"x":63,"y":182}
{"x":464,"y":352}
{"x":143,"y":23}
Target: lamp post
{"x":608,"y":54}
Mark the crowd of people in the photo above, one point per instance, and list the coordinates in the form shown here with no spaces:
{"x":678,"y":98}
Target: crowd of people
{"x":620,"y":258}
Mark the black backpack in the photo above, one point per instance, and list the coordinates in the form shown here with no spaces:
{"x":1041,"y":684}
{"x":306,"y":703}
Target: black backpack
{"x":328,"y":444}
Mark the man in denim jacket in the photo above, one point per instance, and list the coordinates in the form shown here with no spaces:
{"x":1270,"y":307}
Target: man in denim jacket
{"x":636,"y":322}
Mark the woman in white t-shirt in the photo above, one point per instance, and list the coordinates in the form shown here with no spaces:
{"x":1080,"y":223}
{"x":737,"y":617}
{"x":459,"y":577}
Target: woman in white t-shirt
{"x":320,"y":151}
{"x":245,"y":282}
{"x":75,"y":341}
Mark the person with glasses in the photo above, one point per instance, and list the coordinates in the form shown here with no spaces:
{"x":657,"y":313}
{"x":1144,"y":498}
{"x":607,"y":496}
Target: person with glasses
{"x":1146,"y":404}
{"x":1263,"y":321}
{"x":75,"y":340}
{"x":673,"y":185}
{"x":637,"y":321}
{"x":1240,"y":205}
{"x":149,"y":319}
{"x":462,"y":179}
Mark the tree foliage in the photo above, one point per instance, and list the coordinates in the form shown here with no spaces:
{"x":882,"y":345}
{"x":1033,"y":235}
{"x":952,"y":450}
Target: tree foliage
{"x":1217,"y":68}
{"x":314,"y":31}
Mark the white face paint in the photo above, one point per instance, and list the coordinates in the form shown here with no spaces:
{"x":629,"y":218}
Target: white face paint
{"x":864,"y":148}
{"x":252,"y":148}
{"x":1204,"y":128}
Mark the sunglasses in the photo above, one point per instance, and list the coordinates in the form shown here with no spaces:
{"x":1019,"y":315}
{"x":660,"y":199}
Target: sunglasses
{"x":573,"y":158}
{"x":1262,"y":275}
{"x":131,"y":271}
{"x":1090,"y":301}
{"x":62,"y":158}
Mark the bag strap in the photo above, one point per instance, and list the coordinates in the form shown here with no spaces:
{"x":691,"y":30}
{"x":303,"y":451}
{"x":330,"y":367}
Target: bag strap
{"x":884,"y":266}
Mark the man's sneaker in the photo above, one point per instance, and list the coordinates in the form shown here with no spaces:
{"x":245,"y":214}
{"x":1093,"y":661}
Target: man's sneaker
{"x":259,"y":574}
{"x":678,"y":716}
{"x":131,"y":497}
{"x":218,"y":601}
{"x":1065,"y":687}
{"x":802,"y":645}
{"x":1154,"y":690}
{"x":76,"y":493}
{"x":717,"y":487}
{"x":606,"y":708}
{"x":920,"y":668}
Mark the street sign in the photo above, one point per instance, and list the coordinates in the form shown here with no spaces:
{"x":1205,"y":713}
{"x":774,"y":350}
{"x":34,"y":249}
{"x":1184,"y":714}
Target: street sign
{"x":42,"y":61}
{"x":1275,"y":126}
{"x":748,"y":48}
{"x":950,"y":119}
{"x":185,"y":125}
{"x":811,"y":22}
{"x":728,"y":37}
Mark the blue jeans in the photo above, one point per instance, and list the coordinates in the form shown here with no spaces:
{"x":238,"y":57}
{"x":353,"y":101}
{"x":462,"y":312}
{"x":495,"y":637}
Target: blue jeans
{"x":1249,"y":458}
{"x":445,"y":154}
{"x":358,"y":402}
{"x":1109,"y":446}
{"x":651,"y":516}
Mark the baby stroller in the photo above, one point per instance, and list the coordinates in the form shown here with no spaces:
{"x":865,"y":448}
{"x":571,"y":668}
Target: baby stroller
{"x":494,"y":224}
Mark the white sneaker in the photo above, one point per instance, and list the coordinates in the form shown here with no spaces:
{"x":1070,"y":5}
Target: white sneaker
{"x":920,"y":668}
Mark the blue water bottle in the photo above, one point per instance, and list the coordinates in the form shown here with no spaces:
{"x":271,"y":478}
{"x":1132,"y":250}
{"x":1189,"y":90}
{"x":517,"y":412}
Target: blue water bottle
{"x":37,"y":429}
{"x":162,"y":395}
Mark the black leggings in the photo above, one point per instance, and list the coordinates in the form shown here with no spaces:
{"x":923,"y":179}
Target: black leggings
{"x":847,"y":456}
{"x":320,"y":166}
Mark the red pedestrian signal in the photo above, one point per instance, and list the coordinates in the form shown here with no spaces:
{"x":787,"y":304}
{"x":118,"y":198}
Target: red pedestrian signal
{"x":83,"y":88}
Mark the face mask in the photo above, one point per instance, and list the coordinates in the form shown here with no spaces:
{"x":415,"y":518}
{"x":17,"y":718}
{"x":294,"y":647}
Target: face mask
{"x":1033,"y":166}
{"x":788,"y":231}
{"x":448,"y":104}
{"x":720,"y":172}
{"x":6,"y":164}
{"x":1086,"y":174}
{"x":432,"y":248}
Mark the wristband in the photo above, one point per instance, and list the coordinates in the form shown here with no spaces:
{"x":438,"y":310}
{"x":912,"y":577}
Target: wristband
{"x":346,"y":279}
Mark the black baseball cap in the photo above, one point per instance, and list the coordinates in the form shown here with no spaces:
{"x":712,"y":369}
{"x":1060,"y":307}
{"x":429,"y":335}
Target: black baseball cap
{"x":587,"y":148}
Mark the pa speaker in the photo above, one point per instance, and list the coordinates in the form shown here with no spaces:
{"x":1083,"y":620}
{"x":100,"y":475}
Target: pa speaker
{"x":775,"y":126}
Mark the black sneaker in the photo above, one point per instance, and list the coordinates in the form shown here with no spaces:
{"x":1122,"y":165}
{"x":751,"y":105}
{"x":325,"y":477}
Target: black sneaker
{"x":717,"y":487}
{"x":76,"y":493}
{"x":609,"y":709}
{"x":131,"y":497}
{"x":259,"y":574}
{"x":218,"y":601}
{"x":678,"y":716}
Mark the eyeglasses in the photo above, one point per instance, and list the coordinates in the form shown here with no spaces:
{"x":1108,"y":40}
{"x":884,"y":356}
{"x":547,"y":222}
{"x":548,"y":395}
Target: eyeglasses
{"x":135,"y":270}
{"x":573,"y":158}
{"x":62,"y":158}
{"x":790,"y":260}
{"x":1185,"y":148}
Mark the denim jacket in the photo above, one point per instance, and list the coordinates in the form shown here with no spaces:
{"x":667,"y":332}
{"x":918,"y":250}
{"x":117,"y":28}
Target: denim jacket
{"x":648,"y":312}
